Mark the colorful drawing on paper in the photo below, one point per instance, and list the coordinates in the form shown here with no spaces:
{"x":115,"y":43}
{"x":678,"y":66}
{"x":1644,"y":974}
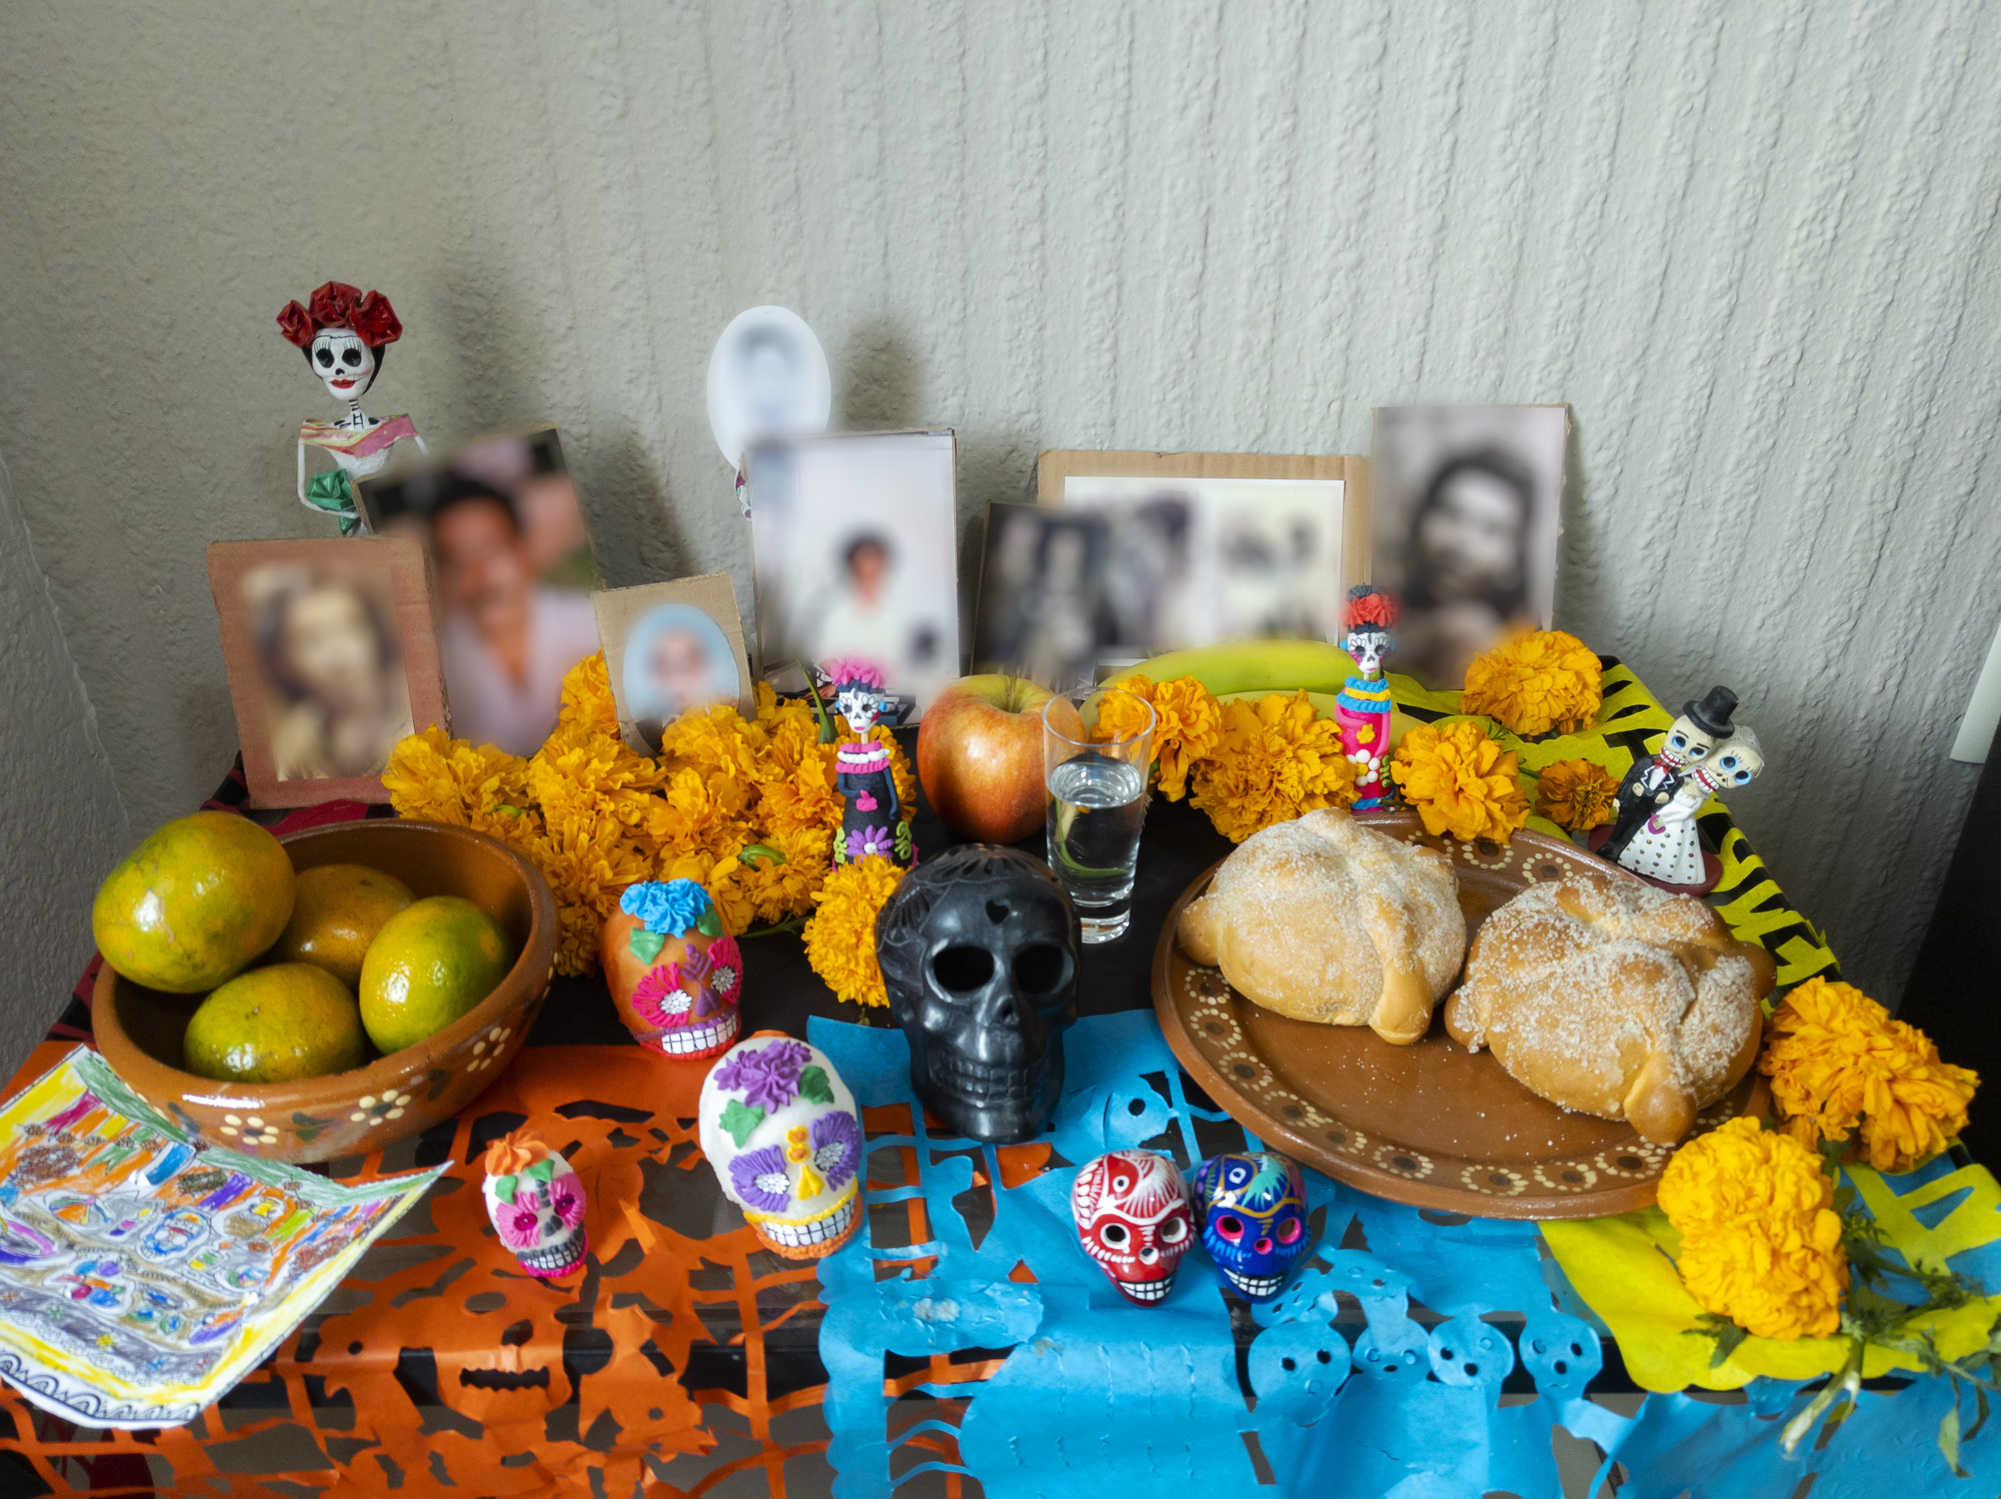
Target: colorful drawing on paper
{"x":142,"y":1277}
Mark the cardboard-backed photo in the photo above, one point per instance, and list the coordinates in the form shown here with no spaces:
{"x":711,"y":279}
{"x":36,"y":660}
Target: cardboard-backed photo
{"x":1042,"y":611}
{"x":856,"y":549}
{"x":331,"y":648}
{"x":1466,"y":523}
{"x":1209,"y":547}
{"x":669,"y":647}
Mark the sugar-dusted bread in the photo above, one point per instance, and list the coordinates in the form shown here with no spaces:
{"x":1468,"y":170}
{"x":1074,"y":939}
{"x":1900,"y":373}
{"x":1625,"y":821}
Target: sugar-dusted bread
{"x":1324,"y":919}
{"x":1614,"y":999}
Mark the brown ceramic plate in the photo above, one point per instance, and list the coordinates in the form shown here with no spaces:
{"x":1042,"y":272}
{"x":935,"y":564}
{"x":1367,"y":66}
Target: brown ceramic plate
{"x":393,"y":1097}
{"x":1433,"y":1125}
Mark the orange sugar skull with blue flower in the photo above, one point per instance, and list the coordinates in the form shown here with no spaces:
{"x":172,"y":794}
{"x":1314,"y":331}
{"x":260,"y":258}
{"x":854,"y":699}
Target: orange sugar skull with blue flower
{"x":675,"y":974}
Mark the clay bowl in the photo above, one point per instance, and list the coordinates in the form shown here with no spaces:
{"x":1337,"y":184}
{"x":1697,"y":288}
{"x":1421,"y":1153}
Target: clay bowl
{"x":350,"y":1113}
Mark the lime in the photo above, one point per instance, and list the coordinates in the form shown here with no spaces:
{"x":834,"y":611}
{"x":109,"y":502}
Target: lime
{"x":275,"y":1025}
{"x":194,"y":903}
{"x":432,"y":962}
{"x":339,"y":910}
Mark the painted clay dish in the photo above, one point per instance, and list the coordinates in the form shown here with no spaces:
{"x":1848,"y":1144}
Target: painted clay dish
{"x":394,"y":1097}
{"x":1432,"y":1125}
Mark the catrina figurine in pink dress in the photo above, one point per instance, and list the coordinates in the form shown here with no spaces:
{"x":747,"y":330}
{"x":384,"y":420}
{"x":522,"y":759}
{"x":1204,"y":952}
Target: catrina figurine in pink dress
{"x":345,"y":336}
{"x":872,"y":820}
{"x":536,"y":1204}
{"x":1363,"y":708}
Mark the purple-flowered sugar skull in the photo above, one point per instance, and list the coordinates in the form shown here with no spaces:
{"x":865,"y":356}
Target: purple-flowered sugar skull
{"x":536,"y":1204}
{"x":1253,"y":1211}
{"x":779,"y":1127}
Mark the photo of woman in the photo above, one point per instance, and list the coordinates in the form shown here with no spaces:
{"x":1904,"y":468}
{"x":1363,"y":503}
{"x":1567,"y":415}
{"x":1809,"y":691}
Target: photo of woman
{"x":335,"y":696}
{"x":676,"y":658}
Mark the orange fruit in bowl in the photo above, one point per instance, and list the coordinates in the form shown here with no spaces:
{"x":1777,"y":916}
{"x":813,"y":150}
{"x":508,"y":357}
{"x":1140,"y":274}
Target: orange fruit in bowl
{"x":195,"y":902}
{"x":274,"y":1025}
{"x":338,"y":912}
{"x":431,"y":963}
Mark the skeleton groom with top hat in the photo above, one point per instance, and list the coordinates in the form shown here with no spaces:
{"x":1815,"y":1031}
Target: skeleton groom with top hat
{"x":1651,"y":784}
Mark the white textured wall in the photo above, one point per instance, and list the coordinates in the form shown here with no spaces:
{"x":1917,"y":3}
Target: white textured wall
{"x":1751,"y":244}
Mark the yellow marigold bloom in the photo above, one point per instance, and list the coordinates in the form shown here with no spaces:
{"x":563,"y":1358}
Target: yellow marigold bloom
{"x":587,"y":697}
{"x":1837,"y":1059}
{"x":840,"y":939}
{"x":432,"y":777}
{"x":1576,"y":794}
{"x":1273,"y":760}
{"x":782,"y":887}
{"x":1119,"y":717}
{"x":1460,"y":782}
{"x":1535,"y":681}
{"x":1187,"y":726}
{"x":1760,"y":1240}
{"x":587,"y":861}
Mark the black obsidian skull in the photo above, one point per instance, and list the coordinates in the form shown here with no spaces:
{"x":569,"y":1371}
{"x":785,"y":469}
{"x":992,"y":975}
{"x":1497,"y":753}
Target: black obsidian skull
{"x":979,"y":952}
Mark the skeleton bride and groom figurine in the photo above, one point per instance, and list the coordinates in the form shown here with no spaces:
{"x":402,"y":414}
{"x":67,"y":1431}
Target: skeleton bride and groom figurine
{"x":1654,"y":833}
{"x":345,"y":337}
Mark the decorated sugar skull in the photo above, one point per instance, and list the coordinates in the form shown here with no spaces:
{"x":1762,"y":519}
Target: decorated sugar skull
{"x":1736,"y":762}
{"x":979,"y":951}
{"x":779,"y":1127}
{"x":1253,"y":1219}
{"x":536,"y":1204}
{"x":1132,"y":1214}
{"x":675,"y":975}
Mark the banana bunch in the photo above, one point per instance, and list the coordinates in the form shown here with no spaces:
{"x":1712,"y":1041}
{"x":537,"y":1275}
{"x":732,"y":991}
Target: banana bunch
{"x":1256,"y":666}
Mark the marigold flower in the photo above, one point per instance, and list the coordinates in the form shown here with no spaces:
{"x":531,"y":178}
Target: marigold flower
{"x":1187,"y":725}
{"x":432,"y":777}
{"x":1273,"y":760}
{"x":1760,"y":1240}
{"x":840,"y":939}
{"x":587,"y":699}
{"x":1838,"y":1060}
{"x":1535,"y":681}
{"x":1576,"y":794}
{"x":1460,"y":782}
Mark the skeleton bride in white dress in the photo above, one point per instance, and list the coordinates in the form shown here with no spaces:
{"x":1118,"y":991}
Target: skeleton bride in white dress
{"x":1667,"y":848}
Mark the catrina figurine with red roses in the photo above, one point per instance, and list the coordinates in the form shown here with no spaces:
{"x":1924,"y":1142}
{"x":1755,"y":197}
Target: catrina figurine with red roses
{"x":1363,"y":709}
{"x":345,"y":336}
{"x":675,"y":975}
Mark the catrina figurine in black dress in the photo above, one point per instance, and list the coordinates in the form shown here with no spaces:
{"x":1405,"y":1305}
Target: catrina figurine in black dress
{"x":873,"y":821}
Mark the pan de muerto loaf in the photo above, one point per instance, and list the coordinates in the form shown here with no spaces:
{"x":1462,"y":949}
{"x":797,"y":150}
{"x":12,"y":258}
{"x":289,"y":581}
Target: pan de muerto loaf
{"x":1615,"y":999}
{"x":1324,"y":919}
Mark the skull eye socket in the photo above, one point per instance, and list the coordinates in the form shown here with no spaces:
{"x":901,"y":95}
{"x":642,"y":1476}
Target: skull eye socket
{"x":1230,"y":1227}
{"x":1697,"y":752}
{"x":325,"y":357}
{"x":351,"y":357}
{"x":1288,"y":1231}
{"x":1173,"y":1231}
{"x":1039,"y":969}
{"x":1114,"y":1234}
{"x":963,"y":970}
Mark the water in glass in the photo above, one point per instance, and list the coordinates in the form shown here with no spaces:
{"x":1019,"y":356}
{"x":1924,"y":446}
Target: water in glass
{"x":1096,"y":809}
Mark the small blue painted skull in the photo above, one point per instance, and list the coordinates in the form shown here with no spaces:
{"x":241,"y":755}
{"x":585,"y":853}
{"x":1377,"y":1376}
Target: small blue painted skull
{"x":1253,"y":1211}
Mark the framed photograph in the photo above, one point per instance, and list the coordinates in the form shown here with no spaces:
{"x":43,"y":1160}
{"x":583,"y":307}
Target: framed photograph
{"x":1468,"y":502}
{"x":855,"y":545}
{"x":1042,"y":611}
{"x":669,"y":647}
{"x":1206,"y":547}
{"x":331,"y":648}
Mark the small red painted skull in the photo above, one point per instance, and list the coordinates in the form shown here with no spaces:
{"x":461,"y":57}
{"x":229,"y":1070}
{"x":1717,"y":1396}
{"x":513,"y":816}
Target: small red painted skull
{"x":1133,"y":1218}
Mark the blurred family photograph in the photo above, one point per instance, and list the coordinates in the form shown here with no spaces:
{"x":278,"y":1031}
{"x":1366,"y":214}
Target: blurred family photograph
{"x":670,"y":647}
{"x":332,"y":657}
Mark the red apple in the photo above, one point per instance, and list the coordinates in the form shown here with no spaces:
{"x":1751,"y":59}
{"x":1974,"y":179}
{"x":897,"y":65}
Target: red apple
{"x":979,"y":755}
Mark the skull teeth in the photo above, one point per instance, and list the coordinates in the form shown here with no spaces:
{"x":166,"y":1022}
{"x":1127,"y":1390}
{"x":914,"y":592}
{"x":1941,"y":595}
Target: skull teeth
{"x":1147,"y":1291}
{"x":1255,"y":1286}
{"x":554,"y":1257}
{"x":822,"y":1230}
{"x":988,"y":1084}
{"x":694,"y":1040}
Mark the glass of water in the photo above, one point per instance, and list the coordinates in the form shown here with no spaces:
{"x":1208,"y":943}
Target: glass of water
{"x":1097,"y":803}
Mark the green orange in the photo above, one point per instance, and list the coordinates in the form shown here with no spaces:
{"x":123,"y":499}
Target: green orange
{"x":338,"y":912}
{"x":431,"y":963}
{"x":275,"y":1025}
{"x":197,"y":901}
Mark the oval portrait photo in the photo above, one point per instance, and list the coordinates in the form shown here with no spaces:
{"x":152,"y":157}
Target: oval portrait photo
{"x":676,"y":658}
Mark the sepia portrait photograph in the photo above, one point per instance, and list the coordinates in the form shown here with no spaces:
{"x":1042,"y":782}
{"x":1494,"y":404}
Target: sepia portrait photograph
{"x":1467,"y":502}
{"x":331,"y":660}
{"x":1042,"y":611}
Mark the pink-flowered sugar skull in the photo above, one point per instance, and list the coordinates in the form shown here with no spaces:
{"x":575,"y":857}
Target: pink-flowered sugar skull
{"x":536,"y":1204}
{"x":675,"y":974}
{"x":1133,"y":1218}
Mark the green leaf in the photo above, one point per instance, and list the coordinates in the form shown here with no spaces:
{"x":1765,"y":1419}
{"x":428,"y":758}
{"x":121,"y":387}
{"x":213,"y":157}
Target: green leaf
{"x":543,"y":1170}
{"x":709,"y":923}
{"x":503,"y":1187}
{"x":813,"y":1086}
{"x":1948,"y":1440}
{"x":903,"y":840}
{"x":740,"y":1121}
{"x":645,"y":945}
{"x":755,"y":851}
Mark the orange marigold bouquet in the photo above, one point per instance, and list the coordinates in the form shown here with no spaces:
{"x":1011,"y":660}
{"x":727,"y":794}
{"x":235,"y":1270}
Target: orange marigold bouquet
{"x":1535,"y":681}
{"x":1273,"y":760}
{"x":1460,"y":781}
{"x":1840,"y":1064}
{"x":744,"y":807}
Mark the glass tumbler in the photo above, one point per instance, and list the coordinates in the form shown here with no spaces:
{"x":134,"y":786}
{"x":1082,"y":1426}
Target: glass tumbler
{"x":1097,"y":805}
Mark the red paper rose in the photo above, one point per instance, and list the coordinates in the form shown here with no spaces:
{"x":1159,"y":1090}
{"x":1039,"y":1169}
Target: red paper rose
{"x":1372,"y":609}
{"x":333,"y":305}
{"x":375,"y":320}
{"x":296,"y":324}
